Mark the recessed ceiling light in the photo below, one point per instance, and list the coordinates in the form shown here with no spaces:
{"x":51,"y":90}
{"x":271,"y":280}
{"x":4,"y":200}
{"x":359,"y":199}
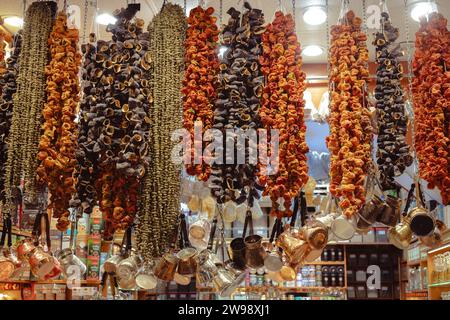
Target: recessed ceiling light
{"x":105,"y":19}
{"x":312,"y":51}
{"x":422,"y":9}
{"x":315,"y":15}
{"x":16,"y":22}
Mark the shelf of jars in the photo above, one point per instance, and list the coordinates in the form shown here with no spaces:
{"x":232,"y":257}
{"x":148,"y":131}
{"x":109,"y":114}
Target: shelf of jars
{"x":439,"y":272}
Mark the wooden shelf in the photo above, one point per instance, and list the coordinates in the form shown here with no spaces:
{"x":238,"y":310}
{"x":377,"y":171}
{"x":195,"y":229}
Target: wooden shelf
{"x":294,"y":289}
{"x":326,"y":263}
{"x":17,"y":232}
{"x":82,"y":282}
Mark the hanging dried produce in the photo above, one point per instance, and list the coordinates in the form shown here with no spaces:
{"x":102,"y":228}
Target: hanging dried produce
{"x":200,"y":79}
{"x":431,"y":94}
{"x":282,"y":110}
{"x":58,"y":141}
{"x":393,"y":154}
{"x":160,"y":197}
{"x":121,"y":118}
{"x":9,"y":87}
{"x":29,"y":99}
{"x":237,"y":107}
{"x":88,"y":128}
{"x":350,"y":124}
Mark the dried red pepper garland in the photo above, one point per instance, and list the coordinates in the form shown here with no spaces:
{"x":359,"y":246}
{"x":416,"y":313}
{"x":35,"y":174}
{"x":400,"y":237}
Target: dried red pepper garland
{"x":200,"y":80}
{"x":431,"y":94}
{"x":350,"y":124}
{"x":282,"y":109}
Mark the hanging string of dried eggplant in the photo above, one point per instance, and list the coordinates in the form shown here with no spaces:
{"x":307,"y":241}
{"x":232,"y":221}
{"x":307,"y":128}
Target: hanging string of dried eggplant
{"x":393,"y":154}
{"x":160,"y":197}
{"x":350,"y":124}
{"x":431,"y":94}
{"x":122,"y":145}
{"x":88,"y":128}
{"x":58,"y":141}
{"x":9,"y":87}
{"x":29,"y":99}
{"x":200,"y":79}
{"x":282,"y":110}
{"x":237,"y":107}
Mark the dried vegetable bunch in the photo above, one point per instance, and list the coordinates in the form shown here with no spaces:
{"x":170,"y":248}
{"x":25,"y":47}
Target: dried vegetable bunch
{"x":160,"y":196}
{"x":29,"y":99}
{"x":57,"y":161}
{"x":350,"y":124}
{"x":200,"y":78}
{"x":123,"y":119}
{"x":282,"y":110}
{"x":237,"y":107}
{"x":431,"y":94}
{"x":393,"y":154}
{"x":9,"y":87}
{"x":89,"y":126}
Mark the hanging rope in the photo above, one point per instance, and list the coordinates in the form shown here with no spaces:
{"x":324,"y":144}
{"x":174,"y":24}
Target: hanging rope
{"x":85,"y":20}
{"x":220,"y":13}
{"x":293,"y":11}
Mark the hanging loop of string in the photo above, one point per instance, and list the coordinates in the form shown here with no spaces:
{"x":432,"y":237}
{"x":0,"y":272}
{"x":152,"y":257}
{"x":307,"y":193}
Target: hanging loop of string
{"x":85,"y":20}
{"x":220,"y":13}
{"x":293,"y":11}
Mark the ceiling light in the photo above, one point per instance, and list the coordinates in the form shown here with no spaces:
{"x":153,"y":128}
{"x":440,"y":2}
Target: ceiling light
{"x":222,"y":50}
{"x":105,"y":19}
{"x":315,"y":15}
{"x":16,"y":22}
{"x":422,"y":9}
{"x":312,"y":51}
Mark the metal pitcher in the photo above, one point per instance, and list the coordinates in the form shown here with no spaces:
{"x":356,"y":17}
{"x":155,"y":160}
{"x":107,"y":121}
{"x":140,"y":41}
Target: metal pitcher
{"x":128,"y":268}
{"x":110,"y":265}
{"x":400,"y":235}
{"x":316,"y":234}
{"x":166,"y":268}
{"x":145,"y":278}
{"x":69,"y":261}
{"x":200,"y":229}
{"x":24,"y":249}
{"x":421,"y":222}
{"x":237,"y":246}
{"x":42,"y":264}
{"x":295,"y":248}
{"x":435,"y":238}
{"x":187,"y":264}
{"x":391,"y":211}
{"x":342,"y":228}
{"x":254,"y":251}
{"x":227,"y":280}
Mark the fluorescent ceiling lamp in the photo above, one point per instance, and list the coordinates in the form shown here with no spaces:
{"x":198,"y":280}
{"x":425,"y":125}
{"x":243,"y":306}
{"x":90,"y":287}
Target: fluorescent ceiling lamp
{"x":16,"y":22}
{"x":422,"y":9}
{"x":105,"y":19}
{"x":315,"y":16}
{"x":312,"y":51}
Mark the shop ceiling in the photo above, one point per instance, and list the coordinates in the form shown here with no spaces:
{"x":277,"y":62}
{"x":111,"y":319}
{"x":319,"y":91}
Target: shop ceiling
{"x":309,"y":35}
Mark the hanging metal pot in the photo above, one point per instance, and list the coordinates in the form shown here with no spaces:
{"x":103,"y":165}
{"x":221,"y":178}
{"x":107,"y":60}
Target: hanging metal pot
{"x":254,"y":252}
{"x":145,"y":278}
{"x":421,"y":222}
{"x":227,"y":279}
{"x":200,"y":229}
{"x":292,"y":246}
{"x":287,"y":273}
{"x":187,"y":263}
{"x":7,"y":268}
{"x":391,"y":211}
{"x":43,"y":265}
{"x":128,"y":268}
{"x":400,"y":235}
{"x":110,"y":265}
{"x":316,"y":234}
{"x":435,"y":238}
{"x":342,"y":228}
{"x":237,"y":246}
{"x":229,"y":211}
{"x":166,"y":268}
{"x":69,"y":261}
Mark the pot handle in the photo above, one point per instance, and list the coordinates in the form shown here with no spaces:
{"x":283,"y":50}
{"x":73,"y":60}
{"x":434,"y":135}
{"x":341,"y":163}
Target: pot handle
{"x":248,"y":222}
{"x":303,"y":209}
{"x":6,"y":232}
{"x":41,"y":216}
{"x":275,"y":229}
{"x":184,"y":239}
{"x":126,"y":241}
{"x":212,"y":233}
{"x":295,"y":211}
{"x":409,"y":200}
